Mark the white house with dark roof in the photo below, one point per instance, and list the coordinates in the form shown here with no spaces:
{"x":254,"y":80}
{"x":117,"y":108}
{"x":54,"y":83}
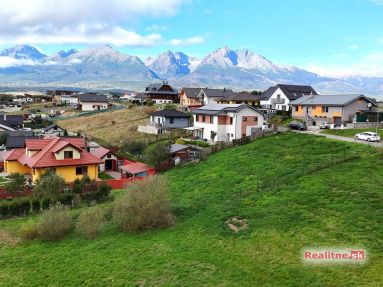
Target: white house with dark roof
{"x":54,"y":130}
{"x":226,"y":122}
{"x":162,"y":93}
{"x":338,"y":109}
{"x":92,"y":102}
{"x":280,"y":96}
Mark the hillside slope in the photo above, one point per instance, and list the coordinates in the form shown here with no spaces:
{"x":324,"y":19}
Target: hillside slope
{"x":339,"y":206}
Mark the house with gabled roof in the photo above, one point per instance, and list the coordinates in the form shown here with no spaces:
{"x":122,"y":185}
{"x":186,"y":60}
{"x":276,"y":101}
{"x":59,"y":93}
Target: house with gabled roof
{"x":242,"y":98}
{"x":92,"y":102}
{"x":54,"y":129}
{"x":109,"y":159}
{"x":11,"y":122}
{"x":337,"y":109}
{"x":279,"y":96}
{"x":67,"y":156}
{"x":162,"y":93}
{"x":226,"y":122}
{"x":213,"y":96}
{"x":189,"y":98}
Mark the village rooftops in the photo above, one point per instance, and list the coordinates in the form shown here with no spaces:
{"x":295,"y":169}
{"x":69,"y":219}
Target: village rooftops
{"x":171,"y":113}
{"x":218,"y":93}
{"x":213,"y":109}
{"x":329,"y":100}
{"x":292,"y":92}
{"x":45,"y":153}
{"x":192,"y":92}
{"x":157,"y":89}
{"x":90,"y":98}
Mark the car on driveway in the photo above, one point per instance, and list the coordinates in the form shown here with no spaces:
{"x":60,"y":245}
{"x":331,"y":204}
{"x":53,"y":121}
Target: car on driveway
{"x":325,"y":125}
{"x":368,"y":136}
{"x":294,"y":125}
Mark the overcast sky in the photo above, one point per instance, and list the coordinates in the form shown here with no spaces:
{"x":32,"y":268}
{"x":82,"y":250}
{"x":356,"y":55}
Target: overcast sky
{"x":331,"y":37}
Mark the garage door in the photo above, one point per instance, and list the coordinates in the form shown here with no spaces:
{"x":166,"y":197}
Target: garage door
{"x":338,"y":121}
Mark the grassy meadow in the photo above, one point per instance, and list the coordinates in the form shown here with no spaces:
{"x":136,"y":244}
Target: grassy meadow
{"x":339,"y":206}
{"x":113,"y":127}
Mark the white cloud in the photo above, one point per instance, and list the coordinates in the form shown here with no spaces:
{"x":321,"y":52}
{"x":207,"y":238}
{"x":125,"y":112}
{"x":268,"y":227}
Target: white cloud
{"x":189,"y":41}
{"x":368,"y":65}
{"x":6,"y":62}
{"x":156,"y":28}
{"x":80,"y":22}
{"x":353,"y":47}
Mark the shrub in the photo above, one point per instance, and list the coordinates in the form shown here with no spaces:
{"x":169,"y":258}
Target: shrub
{"x":144,"y":206}
{"x":35,"y":204}
{"x":46,"y":202}
{"x":4,"y":207}
{"x":19,"y":206}
{"x":7,"y":238}
{"x":16,"y":183}
{"x":50,"y":184}
{"x":55,"y":222}
{"x":90,"y":222}
{"x":29,"y":231}
{"x":134,"y":147}
{"x":157,"y":153}
{"x":65,"y":198}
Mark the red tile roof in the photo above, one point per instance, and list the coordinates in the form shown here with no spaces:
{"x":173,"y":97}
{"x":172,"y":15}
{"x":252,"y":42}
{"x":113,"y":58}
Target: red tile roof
{"x":136,"y":167}
{"x":46,"y":156}
{"x":100,"y":152}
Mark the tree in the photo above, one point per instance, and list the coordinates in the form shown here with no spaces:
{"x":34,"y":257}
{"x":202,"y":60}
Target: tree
{"x":158,"y":153}
{"x":3,"y":138}
{"x":135,"y":148}
{"x":50,"y":184}
{"x":16,"y":184}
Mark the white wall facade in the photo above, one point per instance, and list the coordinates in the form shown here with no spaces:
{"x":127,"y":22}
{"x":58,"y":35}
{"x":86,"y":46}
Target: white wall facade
{"x":272,"y":102}
{"x":93,"y":106}
{"x":227,"y":132}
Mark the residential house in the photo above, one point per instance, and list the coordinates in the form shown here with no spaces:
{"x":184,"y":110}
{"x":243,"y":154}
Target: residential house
{"x":242,"y":98}
{"x":136,"y":169}
{"x":140,"y":98}
{"x":11,"y":122}
{"x":162,"y":93}
{"x":54,"y":130}
{"x":189,"y":99}
{"x":214,"y":96}
{"x":226,"y":122}
{"x":16,"y":139}
{"x":169,"y":119}
{"x":181,"y":152}
{"x":59,"y":95}
{"x":92,"y":102}
{"x":338,"y":109}
{"x":109,"y":159}
{"x":66,"y":156}
{"x":280,"y":96}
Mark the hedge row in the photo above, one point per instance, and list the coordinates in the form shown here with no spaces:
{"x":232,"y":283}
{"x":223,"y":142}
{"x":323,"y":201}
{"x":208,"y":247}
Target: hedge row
{"x":24,"y":205}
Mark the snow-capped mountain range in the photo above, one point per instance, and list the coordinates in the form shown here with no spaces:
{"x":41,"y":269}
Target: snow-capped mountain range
{"x":224,"y":67}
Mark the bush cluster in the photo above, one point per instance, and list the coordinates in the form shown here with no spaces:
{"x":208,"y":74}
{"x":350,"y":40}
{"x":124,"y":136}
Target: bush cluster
{"x":90,"y":222}
{"x":55,"y":223}
{"x":145,"y":205}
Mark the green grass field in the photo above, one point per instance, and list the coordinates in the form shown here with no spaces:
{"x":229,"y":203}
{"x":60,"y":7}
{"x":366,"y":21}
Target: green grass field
{"x":340,"y":206}
{"x":103,"y":175}
{"x":352,"y":132}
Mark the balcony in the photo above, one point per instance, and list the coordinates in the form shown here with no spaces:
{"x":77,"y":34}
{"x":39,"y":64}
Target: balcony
{"x":278,"y":101}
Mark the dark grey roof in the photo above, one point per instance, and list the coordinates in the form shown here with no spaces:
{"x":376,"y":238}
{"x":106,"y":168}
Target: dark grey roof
{"x":174,"y":148}
{"x":156,"y":89}
{"x":98,"y":98}
{"x":14,"y":121}
{"x":329,"y":100}
{"x":170,"y":113}
{"x":245,"y":96}
{"x":141,"y":96}
{"x":20,"y":133}
{"x":191,"y":92}
{"x":218,"y":93}
{"x":51,"y":127}
{"x":17,"y":141}
{"x":213,"y":109}
{"x":292,"y":92}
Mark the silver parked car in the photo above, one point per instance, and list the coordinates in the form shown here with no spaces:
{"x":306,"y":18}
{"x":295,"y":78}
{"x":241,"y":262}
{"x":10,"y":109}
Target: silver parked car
{"x":368,"y":136}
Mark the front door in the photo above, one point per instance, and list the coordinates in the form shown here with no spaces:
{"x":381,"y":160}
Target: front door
{"x":338,"y":121}
{"x":108,"y":164}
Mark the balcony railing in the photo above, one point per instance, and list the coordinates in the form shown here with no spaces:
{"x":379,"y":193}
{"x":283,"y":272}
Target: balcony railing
{"x":278,"y":101}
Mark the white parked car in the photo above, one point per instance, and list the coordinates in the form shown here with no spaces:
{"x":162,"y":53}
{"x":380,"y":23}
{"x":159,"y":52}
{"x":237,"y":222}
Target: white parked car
{"x":368,"y":136}
{"x":325,"y":125}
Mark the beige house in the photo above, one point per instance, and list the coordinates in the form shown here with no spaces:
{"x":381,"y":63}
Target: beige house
{"x":338,"y":109}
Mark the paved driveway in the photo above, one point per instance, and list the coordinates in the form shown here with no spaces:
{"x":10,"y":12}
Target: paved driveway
{"x":345,"y":139}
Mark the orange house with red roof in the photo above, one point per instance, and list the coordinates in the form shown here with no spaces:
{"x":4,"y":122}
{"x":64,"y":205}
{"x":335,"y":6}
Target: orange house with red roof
{"x":65,"y":155}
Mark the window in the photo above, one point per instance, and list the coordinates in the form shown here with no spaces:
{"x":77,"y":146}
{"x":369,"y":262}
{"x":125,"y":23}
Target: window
{"x":231,"y":120}
{"x":68,"y":154}
{"x":82,"y":170}
{"x":296,"y":108}
{"x":244,"y":119}
{"x":324,"y":109}
{"x":171,"y":120}
{"x":203,"y":118}
{"x":255,"y":119}
{"x":211,"y":119}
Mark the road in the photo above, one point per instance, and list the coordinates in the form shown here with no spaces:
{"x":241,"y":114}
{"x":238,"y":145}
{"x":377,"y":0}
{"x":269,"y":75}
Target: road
{"x":346,"y":139}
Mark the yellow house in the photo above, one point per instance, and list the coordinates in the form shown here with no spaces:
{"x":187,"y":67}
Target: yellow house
{"x":65,"y":155}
